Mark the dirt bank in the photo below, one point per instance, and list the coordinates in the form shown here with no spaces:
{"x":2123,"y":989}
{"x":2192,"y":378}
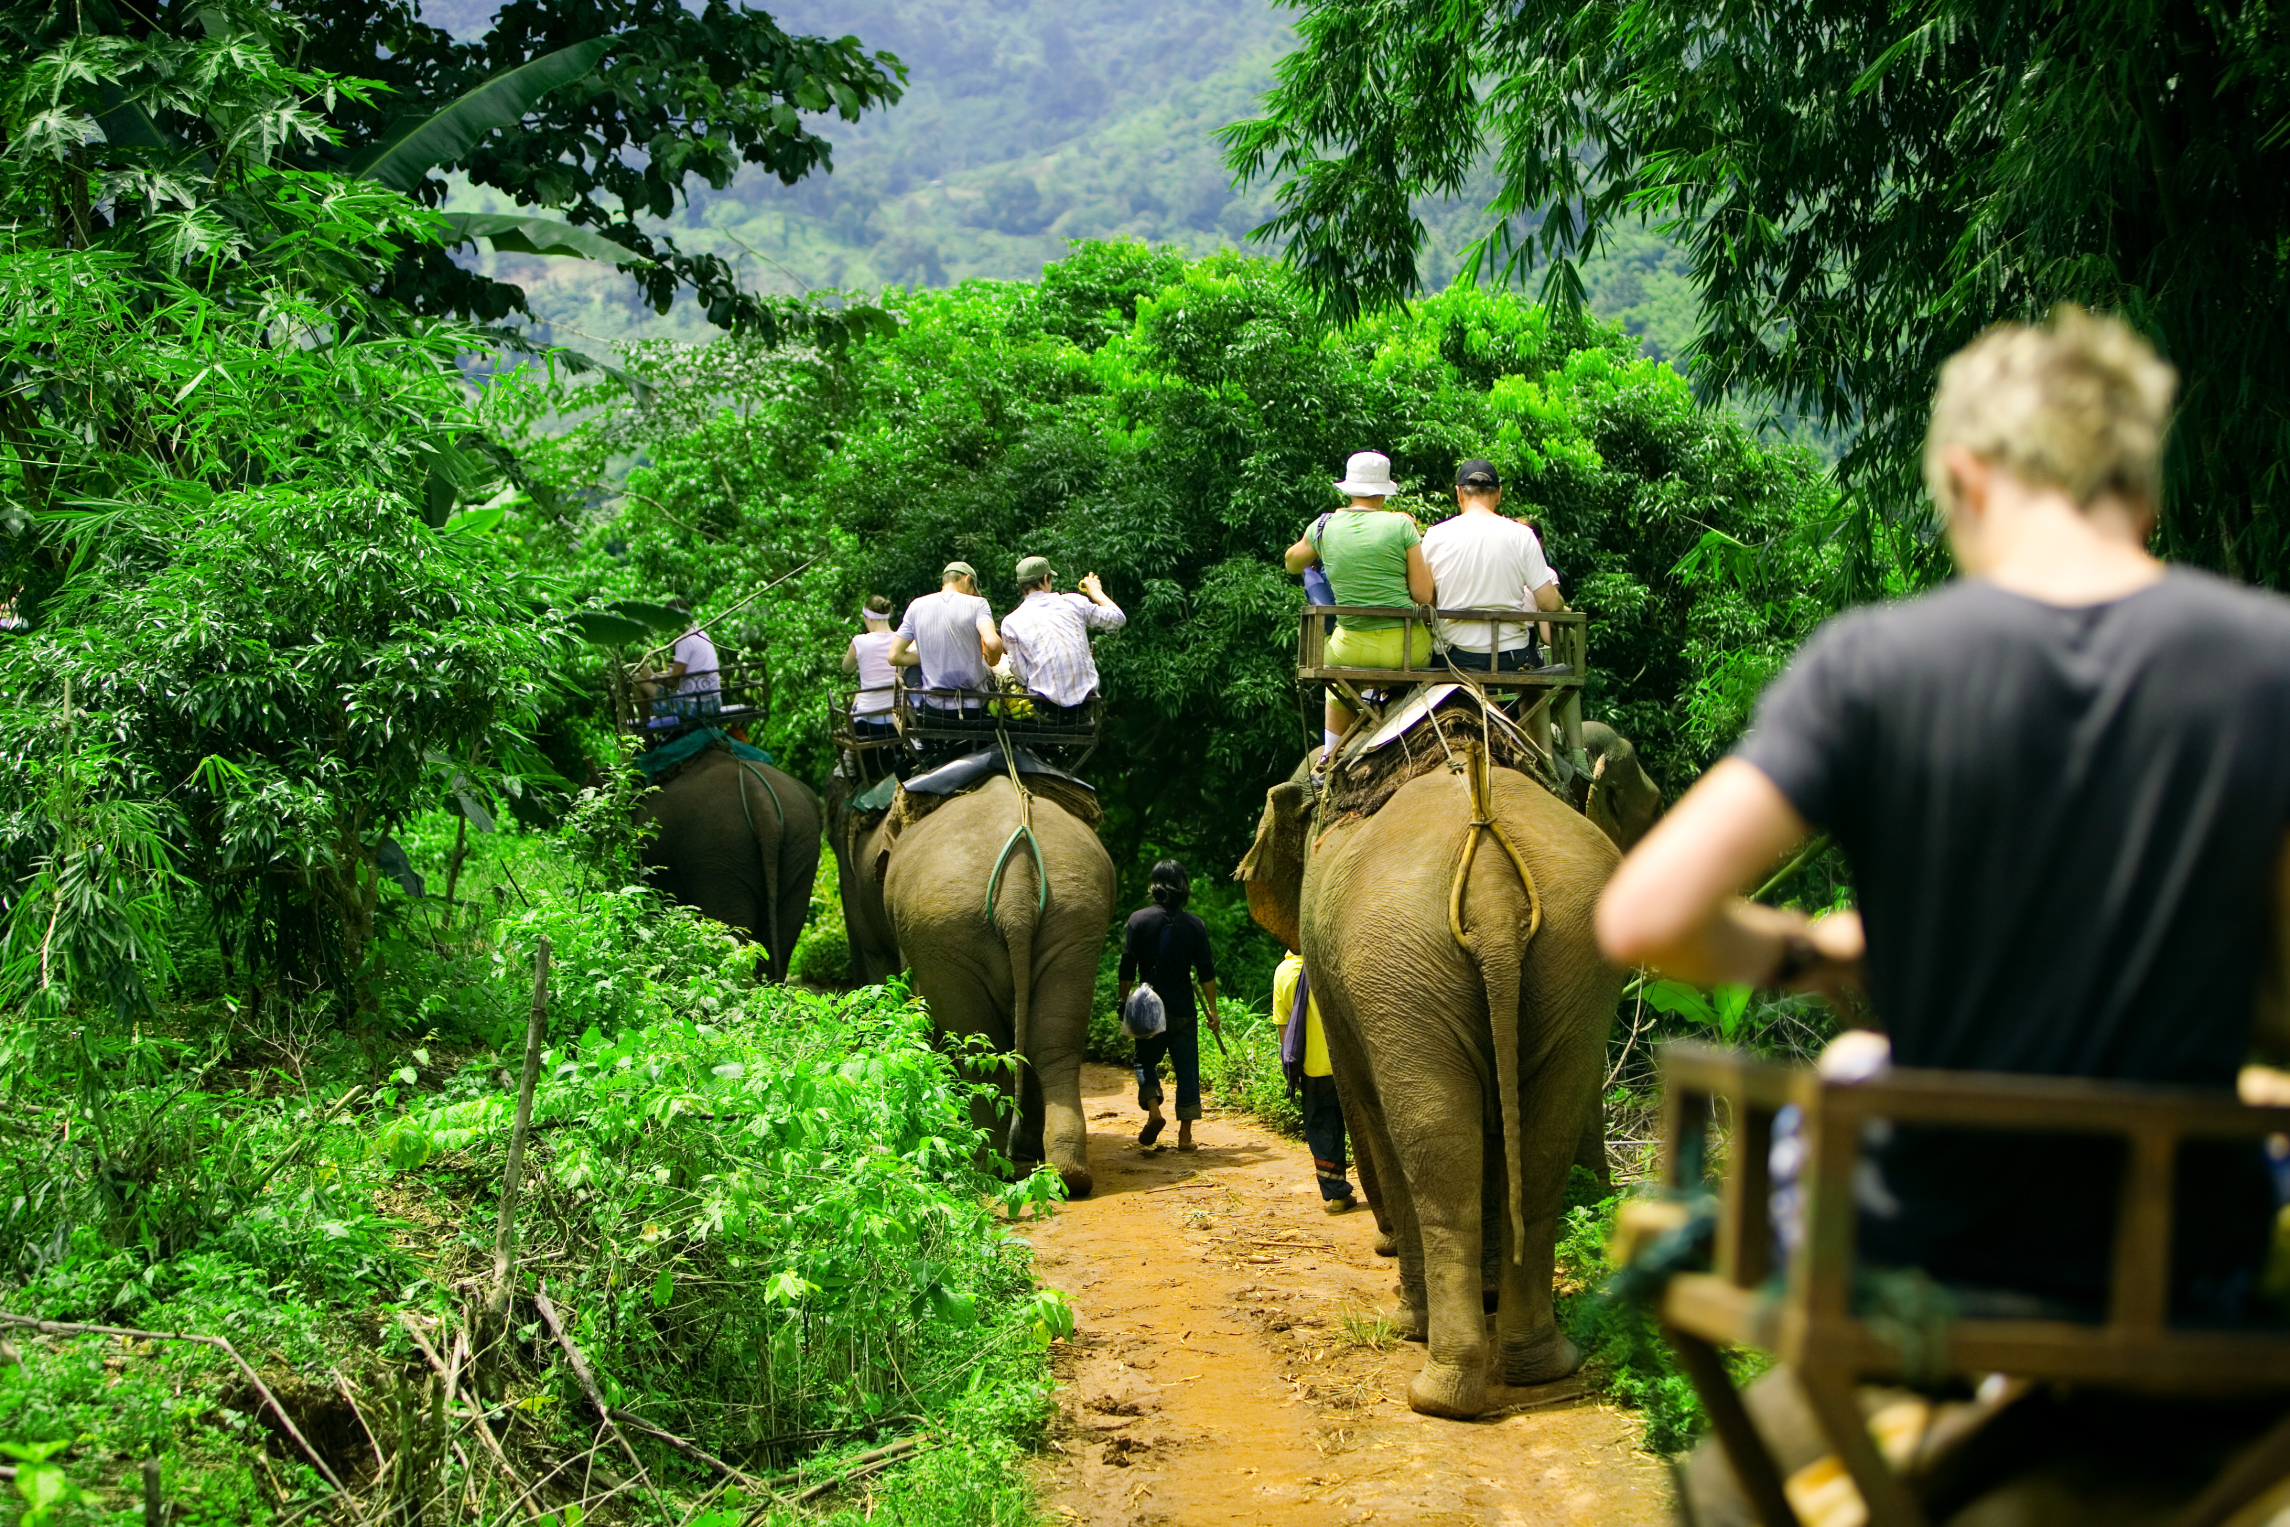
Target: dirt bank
{"x":1231,"y":1366}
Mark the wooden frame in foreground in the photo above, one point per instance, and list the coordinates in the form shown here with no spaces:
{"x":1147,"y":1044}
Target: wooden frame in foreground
{"x":1809,"y":1322}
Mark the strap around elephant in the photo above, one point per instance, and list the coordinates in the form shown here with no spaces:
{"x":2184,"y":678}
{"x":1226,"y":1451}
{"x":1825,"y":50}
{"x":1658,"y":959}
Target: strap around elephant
{"x":766,"y":783}
{"x":1023,"y":831}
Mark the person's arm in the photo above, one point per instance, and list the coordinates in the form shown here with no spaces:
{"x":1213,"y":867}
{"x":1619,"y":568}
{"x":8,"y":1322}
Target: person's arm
{"x":989,"y":639}
{"x":1127,"y":973}
{"x":1206,"y":964}
{"x":1676,"y":903}
{"x":851,"y":656}
{"x":1549,"y":598}
{"x":902,"y":654}
{"x":1103,"y":614}
{"x":1302,"y":555}
{"x":1419,"y":584}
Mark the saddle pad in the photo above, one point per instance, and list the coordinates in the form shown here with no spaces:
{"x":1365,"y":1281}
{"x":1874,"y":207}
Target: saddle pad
{"x":968,"y":772}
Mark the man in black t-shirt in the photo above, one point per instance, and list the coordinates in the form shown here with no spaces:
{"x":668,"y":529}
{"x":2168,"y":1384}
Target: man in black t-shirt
{"x":2063,"y":787}
{"x":1168,"y":947}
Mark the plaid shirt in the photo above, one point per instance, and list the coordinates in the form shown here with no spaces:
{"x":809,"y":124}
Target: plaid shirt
{"x":1048,"y":638}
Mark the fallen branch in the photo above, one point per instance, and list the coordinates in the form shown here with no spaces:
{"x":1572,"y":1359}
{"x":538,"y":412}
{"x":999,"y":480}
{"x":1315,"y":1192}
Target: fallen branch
{"x":871,"y":1463}
{"x":692,"y":1451}
{"x":588,"y":1385}
{"x":69,"y":1328}
{"x":477,"y":1415}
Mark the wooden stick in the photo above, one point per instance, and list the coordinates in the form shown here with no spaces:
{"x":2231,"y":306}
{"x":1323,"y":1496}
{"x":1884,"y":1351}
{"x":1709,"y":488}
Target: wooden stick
{"x":154,"y":1503}
{"x":870,"y":1463}
{"x":588,"y":1384}
{"x":693,"y":1451}
{"x":476,"y":1413}
{"x":70,"y":1328}
{"x":513,"y":1175}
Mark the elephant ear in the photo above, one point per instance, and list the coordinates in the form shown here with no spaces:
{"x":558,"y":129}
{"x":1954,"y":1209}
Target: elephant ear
{"x":1273,"y":868}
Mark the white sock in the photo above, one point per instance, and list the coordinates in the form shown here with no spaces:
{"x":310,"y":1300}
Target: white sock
{"x":1328,"y":742}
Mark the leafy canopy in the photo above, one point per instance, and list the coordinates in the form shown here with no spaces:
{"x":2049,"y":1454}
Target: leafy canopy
{"x":1861,"y":188}
{"x":1174,"y":424}
{"x":253,"y":649}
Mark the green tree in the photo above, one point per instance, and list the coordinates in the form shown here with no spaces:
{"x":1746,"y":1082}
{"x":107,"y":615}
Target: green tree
{"x":1175,"y":424}
{"x":256,"y":641}
{"x":1861,"y":188}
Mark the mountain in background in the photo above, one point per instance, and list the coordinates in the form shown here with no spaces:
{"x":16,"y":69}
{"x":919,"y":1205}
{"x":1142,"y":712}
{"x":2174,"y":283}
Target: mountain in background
{"x":1026,"y":123}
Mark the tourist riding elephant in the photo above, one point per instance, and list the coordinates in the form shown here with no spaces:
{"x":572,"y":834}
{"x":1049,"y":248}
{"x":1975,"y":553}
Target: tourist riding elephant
{"x":1468,"y":1053}
{"x":739,"y":841}
{"x":1019,"y":967}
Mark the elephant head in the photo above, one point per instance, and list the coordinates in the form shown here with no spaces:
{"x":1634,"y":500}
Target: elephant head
{"x":1273,"y":869}
{"x":1621,"y":799}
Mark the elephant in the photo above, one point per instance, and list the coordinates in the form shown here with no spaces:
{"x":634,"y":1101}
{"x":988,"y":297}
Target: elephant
{"x":1618,"y":797}
{"x":739,"y":841}
{"x":1021,"y":972}
{"x":1469,"y":1067}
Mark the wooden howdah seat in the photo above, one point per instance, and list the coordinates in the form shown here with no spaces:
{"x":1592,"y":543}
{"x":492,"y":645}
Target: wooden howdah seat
{"x":952,"y":718}
{"x":1548,"y":695}
{"x":1805,"y":1315}
{"x":743,"y":699}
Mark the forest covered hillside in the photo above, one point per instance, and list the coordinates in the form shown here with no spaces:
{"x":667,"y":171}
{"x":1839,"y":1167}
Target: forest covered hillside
{"x":1025,"y":124}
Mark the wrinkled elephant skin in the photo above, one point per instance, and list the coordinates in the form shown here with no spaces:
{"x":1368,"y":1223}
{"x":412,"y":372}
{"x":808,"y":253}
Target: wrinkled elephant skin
{"x":1416,"y":1029}
{"x":738,"y":841}
{"x":1023,"y":979}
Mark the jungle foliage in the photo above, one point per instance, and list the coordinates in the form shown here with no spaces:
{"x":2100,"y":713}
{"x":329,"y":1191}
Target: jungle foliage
{"x":613,"y":107}
{"x":1860,"y":189}
{"x":258,"y":641}
{"x":765,"y":1218}
{"x":1174,"y":424}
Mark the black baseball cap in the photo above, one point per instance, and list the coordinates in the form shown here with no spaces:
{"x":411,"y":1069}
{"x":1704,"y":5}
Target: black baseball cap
{"x":1477,"y":474}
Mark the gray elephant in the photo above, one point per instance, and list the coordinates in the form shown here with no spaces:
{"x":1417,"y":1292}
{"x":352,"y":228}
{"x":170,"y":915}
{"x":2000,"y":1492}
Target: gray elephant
{"x":739,"y":841}
{"x":1617,"y":796}
{"x":1469,"y":1054}
{"x":1003,"y":936}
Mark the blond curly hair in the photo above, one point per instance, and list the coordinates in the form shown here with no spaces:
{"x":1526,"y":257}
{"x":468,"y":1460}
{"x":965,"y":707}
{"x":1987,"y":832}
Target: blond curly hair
{"x":2080,"y":404}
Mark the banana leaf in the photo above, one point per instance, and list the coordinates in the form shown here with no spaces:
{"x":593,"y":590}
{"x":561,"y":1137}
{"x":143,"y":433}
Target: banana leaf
{"x":415,"y":147}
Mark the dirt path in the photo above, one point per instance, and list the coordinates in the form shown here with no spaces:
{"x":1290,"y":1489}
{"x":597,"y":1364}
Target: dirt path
{"x":1230,"y":1366}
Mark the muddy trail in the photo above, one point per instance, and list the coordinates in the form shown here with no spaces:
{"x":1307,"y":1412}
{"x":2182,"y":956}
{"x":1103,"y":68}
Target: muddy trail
{"x":1231,"y":1364}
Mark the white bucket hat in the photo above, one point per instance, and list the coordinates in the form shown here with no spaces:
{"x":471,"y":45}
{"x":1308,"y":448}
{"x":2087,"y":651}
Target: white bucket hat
{"x":1368,"y":475}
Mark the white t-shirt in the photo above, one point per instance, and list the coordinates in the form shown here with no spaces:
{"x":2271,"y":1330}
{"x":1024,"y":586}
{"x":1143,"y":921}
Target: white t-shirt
{"x":944,"y":629}
{"x":1486,"y":562}
{"x":872,"y":649}
{"x":698,"y":655}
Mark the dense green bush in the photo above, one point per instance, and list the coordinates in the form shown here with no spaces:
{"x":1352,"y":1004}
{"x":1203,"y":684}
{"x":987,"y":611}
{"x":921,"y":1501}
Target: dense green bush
{"x":766,"y":1216}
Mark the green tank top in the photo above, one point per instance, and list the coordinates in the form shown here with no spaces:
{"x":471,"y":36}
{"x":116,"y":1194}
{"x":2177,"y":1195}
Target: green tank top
{"x":1365,"y":553}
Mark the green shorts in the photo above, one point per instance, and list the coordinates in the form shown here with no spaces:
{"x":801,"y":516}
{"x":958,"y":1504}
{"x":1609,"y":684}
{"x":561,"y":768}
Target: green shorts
{"x":1348,"y":648}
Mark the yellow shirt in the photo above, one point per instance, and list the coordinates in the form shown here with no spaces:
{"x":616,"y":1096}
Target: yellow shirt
{"x":1284,"y":1003}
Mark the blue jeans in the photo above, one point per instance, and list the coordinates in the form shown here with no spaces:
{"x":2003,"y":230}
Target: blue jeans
{"x":1324,"y":1134}
{"x":1181,"y":1042}
{"x":1472,"y":660}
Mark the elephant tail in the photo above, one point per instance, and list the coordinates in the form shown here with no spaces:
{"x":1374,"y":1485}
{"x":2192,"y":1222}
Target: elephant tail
{"x":1017,"y":920}
{"x":767,"y":851}
{"x":1499,"y":959}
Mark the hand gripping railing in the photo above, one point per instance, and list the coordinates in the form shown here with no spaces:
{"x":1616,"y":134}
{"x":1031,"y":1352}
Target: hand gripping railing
{"x":1810,"y":1322}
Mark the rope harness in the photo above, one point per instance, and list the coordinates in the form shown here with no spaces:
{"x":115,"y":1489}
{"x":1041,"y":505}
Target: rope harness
{"x":1024,"y":831}
{"x":1481,"y":781}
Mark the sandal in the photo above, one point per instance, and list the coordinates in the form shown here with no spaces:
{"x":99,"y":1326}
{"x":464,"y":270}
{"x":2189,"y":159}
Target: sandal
{"x":1151,"y":1132}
